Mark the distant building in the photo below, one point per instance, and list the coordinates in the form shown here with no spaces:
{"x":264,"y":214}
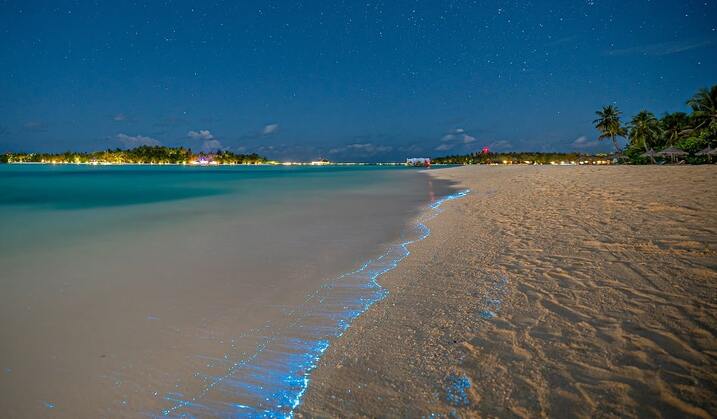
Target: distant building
{"x":321,"y":162}
{"x":418,"y":161}
{"x":206,"y":159}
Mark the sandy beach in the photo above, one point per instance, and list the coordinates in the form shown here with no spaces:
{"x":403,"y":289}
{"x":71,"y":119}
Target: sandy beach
{"x":547,"y":291}
{"x":125,"y":296}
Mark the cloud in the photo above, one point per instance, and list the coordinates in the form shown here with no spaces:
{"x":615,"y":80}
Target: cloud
{"x":455,"y":138}
{"x":659,"y":49}
{"x":500,"y":145}
{"x":270,"y":129}
{"x":203,"y":134}
{"x":136,"y":140}
{"x":584,"y":142}
{"x":266,"y":131}
{"x":119,"y":117}
{"x":212,"y":145}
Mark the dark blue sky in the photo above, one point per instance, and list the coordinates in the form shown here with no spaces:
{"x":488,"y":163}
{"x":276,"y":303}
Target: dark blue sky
{"x":353,"y":80}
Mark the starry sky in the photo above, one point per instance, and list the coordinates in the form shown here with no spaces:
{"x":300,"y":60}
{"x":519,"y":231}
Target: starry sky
{"x":345,"y":80}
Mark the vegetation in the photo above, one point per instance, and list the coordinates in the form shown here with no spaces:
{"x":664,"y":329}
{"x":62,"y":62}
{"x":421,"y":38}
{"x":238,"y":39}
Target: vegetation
{"x":609,"y":124}
{"x":139,"y":155}
{"x":647,"y":136}
{"x":691,"y":132}
{"x":645,"y":129}
{"x":521,"y":158}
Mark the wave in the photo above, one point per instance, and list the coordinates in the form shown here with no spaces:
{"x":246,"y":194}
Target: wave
{"x":273,"y":379}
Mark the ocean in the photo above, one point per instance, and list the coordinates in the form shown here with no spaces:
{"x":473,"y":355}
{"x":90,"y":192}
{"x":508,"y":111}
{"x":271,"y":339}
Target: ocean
{"x":132,"y":291}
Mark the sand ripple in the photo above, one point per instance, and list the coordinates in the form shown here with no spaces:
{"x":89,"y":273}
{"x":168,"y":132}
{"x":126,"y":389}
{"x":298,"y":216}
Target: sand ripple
{"x":609,"y":305}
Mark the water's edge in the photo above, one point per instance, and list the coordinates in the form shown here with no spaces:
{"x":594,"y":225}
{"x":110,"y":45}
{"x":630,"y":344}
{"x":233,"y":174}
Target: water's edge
{"x":272,"y":381}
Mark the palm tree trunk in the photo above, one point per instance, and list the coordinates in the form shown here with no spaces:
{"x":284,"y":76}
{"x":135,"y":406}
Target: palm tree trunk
{"x":614,"y":143}
{"x":644,"y":143}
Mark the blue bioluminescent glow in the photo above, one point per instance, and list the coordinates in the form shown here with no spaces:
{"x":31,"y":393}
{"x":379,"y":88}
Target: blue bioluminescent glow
{"x":272,"y":381}
{"x":457,"y":390}
{"x":494,"y":292}
{"x":487,"y":314}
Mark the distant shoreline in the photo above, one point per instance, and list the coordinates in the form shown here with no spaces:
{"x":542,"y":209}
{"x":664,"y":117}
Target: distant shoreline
{"x":216,"y":164}
{"x":180,"y":156}
{"x":311,"y":164}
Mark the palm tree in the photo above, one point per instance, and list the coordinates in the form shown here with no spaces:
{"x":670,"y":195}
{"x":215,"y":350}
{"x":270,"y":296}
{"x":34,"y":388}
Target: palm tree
{"x":673,"y":127}
{"x":704,"y":106}
{"x":609,"y":125}
{"x":644,"y":130}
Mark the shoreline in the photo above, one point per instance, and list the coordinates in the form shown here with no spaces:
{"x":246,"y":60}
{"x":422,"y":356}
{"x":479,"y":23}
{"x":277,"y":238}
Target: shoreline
{"x":376,"y":268}
{"x":245,"y":275}
{"x":224,"y":164}
{"x":547,"y":291}
{"x":285,"y":360}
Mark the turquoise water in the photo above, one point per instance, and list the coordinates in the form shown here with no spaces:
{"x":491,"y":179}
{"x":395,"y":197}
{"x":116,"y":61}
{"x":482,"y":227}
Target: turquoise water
{"x":39,"y":200}
{"x":76,"y":187}
{"x":133,"y":290}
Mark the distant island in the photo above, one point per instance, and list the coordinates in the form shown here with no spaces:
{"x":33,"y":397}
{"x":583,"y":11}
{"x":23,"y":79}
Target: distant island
{"x":486,"y":157}
{"x":677,"y":137}
{"x":138,"y":155}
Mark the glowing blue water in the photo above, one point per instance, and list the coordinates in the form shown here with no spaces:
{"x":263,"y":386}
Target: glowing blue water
{"x":457,"y":390}
{"x":495,"y":291}
{"x":178,"y":291}
{"x":272,"y":381}
{"x":34,"y":198}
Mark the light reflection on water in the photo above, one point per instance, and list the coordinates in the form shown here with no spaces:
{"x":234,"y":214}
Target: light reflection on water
{"x":272,"y":381}
{"x":130,"y":299}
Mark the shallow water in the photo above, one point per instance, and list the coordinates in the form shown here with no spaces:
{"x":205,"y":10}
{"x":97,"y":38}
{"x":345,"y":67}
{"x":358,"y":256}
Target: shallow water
{"x":134,"y":291}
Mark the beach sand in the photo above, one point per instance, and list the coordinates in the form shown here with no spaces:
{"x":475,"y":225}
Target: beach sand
{"x":116,"y":303}
{"x":548,"y":291}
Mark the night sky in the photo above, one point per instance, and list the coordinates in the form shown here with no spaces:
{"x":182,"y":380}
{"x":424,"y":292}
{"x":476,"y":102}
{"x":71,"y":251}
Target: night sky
{"x":353,"y":80}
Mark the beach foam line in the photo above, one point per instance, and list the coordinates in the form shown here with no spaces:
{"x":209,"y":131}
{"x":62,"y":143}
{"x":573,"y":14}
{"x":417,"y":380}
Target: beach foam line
{"x":272,"y":381}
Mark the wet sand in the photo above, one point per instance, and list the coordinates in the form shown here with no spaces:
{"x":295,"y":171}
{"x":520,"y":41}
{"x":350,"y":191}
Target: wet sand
{"x":198,"y":307}
{"x":548,"y":291}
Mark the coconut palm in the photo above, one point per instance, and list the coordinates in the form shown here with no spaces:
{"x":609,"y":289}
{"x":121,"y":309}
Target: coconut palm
{"x":644,"y":131}
{"x":609,"y":125}
{"x":673,"y":127}
{"x":704,"y":106}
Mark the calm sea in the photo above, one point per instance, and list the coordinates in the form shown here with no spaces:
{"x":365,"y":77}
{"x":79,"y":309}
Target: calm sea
{"x":134,"y":291}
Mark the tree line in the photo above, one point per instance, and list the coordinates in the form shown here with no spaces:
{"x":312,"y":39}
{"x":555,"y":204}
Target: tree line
{"x":694,"y":133}
{"x":521,"y":158}
{"x":138,"y":155}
